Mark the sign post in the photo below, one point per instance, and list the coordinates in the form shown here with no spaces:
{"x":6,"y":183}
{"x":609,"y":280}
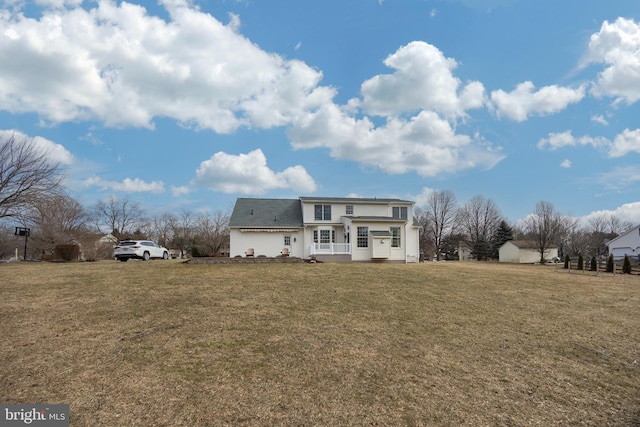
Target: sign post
{"x":23,"y":231}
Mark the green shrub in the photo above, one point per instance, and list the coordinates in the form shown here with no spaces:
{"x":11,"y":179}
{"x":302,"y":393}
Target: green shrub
{"x":610,"y":264}
{"x":67,"y":252}
{"x":626,"y":265}
{"x":580,"y":262}
{"x":594,"y":264}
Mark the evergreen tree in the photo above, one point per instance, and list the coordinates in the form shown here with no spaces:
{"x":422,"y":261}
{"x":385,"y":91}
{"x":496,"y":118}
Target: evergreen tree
{"x":626,"y":266}
{"x":580,"y":262}
{"x":567,"y":260}
{"x":594,"y":264}
{"x":610,"y":264}
{"x":482,"y":249}
{"x":503,"y":234}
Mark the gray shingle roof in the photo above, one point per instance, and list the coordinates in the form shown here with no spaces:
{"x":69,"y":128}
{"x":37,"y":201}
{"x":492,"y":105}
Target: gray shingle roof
{"x":529,"y":244}
{"x":354,"y":200}
{"x":380,"y":233}
{"x":259,"y":213}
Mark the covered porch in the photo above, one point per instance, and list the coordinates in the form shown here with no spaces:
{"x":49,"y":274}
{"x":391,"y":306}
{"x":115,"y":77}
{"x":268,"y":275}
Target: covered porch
{"x":318,"y":248}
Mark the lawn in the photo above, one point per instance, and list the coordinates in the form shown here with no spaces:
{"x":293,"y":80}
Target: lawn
{"x":163,"y":343}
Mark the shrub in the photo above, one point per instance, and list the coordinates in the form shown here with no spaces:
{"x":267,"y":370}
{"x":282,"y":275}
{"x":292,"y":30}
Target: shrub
{"x":626,"y":266}
{"x":567,"y":260}
{"x":580,"y":262}
{"x":199,"y":251}
{"x":610,"y":264}
{"x":594,"y":264}
{"x":67,"y":252}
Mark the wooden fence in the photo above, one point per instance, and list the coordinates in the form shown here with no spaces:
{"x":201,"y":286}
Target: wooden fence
{"x":602,"y":265}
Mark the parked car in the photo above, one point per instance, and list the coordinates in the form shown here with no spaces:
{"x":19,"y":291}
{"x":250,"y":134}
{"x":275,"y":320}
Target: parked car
{"x":139,"y":249}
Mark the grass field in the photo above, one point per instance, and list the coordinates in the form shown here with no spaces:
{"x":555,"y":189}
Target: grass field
{"x":164,"y":343}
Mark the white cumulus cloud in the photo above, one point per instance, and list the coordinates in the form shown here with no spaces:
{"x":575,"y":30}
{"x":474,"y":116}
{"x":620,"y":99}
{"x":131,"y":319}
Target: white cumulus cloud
{"x":617,"y":46}
{"x":425,"y":143}
{"x":56,"y":153}
{"x":524,"y":101}
{"x":626,"y":142}
{"x":423,"y":79}
{"x":249,"y":174}
{"x":566,"y":139}
{"x":127,"y":185}
{"x":566,"y":164}
{"x":599,"y":118}
{"x":120,"y":65}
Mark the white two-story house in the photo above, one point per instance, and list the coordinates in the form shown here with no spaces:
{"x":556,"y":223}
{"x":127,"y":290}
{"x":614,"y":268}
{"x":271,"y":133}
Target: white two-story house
{"x":326,"y":228}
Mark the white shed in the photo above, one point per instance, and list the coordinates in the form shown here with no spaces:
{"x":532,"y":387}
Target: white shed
{"x":626,"y":244}
{"x":524,"y":252}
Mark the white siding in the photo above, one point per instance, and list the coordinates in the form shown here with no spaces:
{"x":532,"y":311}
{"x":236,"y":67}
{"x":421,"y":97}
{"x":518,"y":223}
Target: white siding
{"x":381,"y":247}
{"x":626,"y":244}
{"x":265,"y":243}
{"x":412,"y":241}
{"x":511,"y":253}
{"x":270,"y":244}
{"x":530,"y":256}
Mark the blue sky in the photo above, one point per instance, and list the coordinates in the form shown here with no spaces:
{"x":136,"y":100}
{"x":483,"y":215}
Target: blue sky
{"x":184,"y":105}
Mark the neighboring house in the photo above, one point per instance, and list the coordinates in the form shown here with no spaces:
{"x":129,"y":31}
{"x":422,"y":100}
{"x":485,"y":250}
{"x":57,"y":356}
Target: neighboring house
{"x":626,"y":244}
{"x":464,"y":252}
{"x":524,"y":252}
{"x":326,"y":228}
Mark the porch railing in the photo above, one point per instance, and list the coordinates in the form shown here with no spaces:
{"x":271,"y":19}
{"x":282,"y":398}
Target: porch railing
{"x":330,"y":248}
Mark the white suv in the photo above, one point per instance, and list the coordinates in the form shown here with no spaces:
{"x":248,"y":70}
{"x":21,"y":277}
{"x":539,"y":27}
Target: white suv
{"x":140,"y":249}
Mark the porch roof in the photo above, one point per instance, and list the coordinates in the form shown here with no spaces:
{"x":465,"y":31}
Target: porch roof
{"x":375,"y":219}
{"x":380,"y":233}
{"x":269,"y":230}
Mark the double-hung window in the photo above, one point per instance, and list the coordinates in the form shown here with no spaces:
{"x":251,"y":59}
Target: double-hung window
{"x":326,"y":236}
{"x":349,"y":210}
{"x":399,"y":212}
{"x":322,"y":212}
{"x":396,"y":233}
{"x":363,"y":237}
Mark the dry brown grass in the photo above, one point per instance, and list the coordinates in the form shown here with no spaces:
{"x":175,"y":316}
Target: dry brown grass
{"x":171,"y":344}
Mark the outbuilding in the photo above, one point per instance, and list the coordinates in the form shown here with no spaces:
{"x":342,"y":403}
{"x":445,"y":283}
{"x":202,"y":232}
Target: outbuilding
{"x":524,"y":252}
{"x":627,"y":243}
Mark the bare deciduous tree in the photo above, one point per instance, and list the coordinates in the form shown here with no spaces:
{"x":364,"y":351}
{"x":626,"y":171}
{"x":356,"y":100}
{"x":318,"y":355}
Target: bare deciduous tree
{"x":26,"y":173}
{"x":54,"y":220}
{"x":160,"y":228}
{"x":547,"y":227}
{"x":121,"y":217}
{"x":211,"y":230}
{"x":479,"y":219}
{"x":439,"y":216}
{"x":183,"y":231}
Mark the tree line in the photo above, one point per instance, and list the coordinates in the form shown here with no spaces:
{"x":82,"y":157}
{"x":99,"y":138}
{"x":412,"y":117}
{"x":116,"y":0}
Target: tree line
{"x":32,"y":195}
{"x":478,"y":225}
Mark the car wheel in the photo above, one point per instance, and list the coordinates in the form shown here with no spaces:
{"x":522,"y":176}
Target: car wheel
{"x":145,"y":256}
{"x":165,"y":255}
{"x":123,"y":259}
